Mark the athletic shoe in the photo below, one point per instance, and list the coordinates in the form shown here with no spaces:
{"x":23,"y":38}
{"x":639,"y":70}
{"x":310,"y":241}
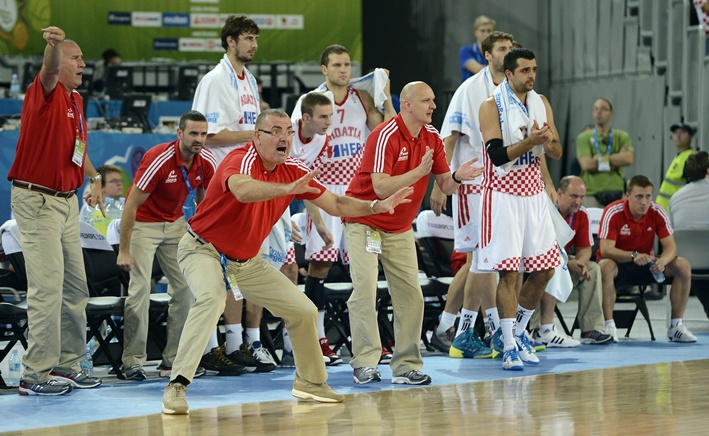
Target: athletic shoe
{"x":537,"y":344}
{"x":216,"y":362}
{"x":79,"y":380}
{"x":595,"y":337}
{"x":526,"y":351}
{"x":166,"y":371}
{"x":261,"y":354}
{"x":365,"y":374}
{"x":287,"y":359}
{"x":135,"y":372}
{"x":244,"y":358}
{"x":442,"y":341}
{"x":487,"y":339}
{"x":331,"y":358}
{"x":497,"y":345}
{"x":413,"y":377}
{"x":385,"y":359}
{"x":511,"y":360}
{"x":613,"y":333}
{"x":468,"y":345}
{"x":310,"y":391}
{"x":51,"y":388}
{"x":680,"y":333}
{"x":173,"y":400}
{"x":553,"y":339}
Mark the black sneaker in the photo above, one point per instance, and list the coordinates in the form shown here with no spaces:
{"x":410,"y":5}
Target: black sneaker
{"x":595,"y":337}
{"x":79,"y":380}
{"x":413,"y":377}
{"x":245,"y":358}
{"x":135,"y":372}
{"x":52,"y":387}
{"x":217,"y":363}
{"x":166,"y":371}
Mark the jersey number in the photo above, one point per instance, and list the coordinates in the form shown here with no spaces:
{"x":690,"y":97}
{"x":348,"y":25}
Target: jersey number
{"x":342,"y":115}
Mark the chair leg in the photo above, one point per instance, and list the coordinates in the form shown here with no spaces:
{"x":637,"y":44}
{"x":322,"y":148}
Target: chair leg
{"x":642,"y":307}
{"x":268,"y":340}
{"x":561,"y":320}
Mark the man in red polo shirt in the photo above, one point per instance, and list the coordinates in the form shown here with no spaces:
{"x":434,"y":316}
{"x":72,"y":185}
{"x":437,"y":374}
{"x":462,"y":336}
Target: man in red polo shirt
{"x":49,"y":166}
{"x":627,"y":234}
{"x":171,"y":179}
{"x":251,"y":189}
{"x":401,"y":152}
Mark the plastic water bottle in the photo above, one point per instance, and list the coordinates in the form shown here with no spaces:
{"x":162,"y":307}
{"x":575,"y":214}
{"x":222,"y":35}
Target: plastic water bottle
{"x":87,"y":365}
{"x":15,"y":370}
{"x":659,"y":277}
{"x":98,"y":220}
{"x":87,"y":213}
{"x":14,"y":86}
{"x":114,"y":212}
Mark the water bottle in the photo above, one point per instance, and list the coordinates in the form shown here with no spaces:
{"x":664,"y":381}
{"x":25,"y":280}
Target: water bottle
{"x":659,"y":277}
{"x":115,"y":211}
{"x":15,"y":370}
{"x":98,"y":220}
{"x":87,"y":365}
{"x":14,"y":86}
{"x":87,"y":213}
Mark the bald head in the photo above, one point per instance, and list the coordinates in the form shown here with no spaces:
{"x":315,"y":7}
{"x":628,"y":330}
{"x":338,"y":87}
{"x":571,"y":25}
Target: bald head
{"x":411,"y":89}
{"x":417,"y":105}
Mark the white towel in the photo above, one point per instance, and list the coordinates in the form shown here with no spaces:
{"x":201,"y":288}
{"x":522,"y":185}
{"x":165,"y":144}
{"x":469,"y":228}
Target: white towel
{"x":373,"y":83}
{"x":560,"y":285}
{"x":516,"y":119}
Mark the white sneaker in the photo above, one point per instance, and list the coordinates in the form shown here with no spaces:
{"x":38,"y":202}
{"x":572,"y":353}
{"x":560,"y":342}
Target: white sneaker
{"x":553,"y":339}
{"x":612,"y":332}
{"x":525,"y":350}
{"x":680,"y":333}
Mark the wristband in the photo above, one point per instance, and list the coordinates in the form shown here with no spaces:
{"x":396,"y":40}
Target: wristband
{"x":454,"y":179}
{"x":371,"y":206}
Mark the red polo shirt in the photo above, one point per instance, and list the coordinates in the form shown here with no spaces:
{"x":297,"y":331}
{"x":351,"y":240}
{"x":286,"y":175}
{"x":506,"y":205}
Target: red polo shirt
{"x":160,"y":176}
{"x":238,"y":229}
{"x":581,"y":226}
{"x":391,"y":149}
{"x":629,"y":234}
{"x":50,"y":127}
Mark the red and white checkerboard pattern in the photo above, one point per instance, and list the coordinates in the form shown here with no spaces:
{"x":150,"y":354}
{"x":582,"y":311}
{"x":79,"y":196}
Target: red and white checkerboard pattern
{"x":549,"y":260}
{"x":290,"y":255}
{"x":339,"y":172}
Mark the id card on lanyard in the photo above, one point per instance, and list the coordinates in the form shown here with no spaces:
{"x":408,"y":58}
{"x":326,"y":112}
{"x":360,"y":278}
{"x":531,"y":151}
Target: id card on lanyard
{"x":80,"y":141}
{"x":189,"y":208}
{"x":604,"y":162}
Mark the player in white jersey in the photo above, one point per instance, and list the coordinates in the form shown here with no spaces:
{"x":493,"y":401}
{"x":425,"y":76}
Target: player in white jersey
{"x":463,"y":141}
{"x":228,"y":97}
{"x":354,"y":116}
{"x":516,"y":235}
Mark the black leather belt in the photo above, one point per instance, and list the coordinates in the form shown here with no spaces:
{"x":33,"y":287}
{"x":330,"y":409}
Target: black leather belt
{"x":42,"y":189}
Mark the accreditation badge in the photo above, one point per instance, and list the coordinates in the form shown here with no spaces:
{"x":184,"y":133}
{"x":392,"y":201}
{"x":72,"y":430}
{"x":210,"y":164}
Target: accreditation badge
{"x":604,"y":163}
{"x":374,"y":242}
{"x":79,"y":150}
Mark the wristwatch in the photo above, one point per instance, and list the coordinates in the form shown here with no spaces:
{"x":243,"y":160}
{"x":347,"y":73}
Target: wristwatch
{"x":372,"y":204}
{"x":633,"y":255}
{"x":95,"y":178}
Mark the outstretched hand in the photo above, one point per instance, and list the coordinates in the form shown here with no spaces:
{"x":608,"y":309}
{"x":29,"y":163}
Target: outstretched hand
{"x":395,"y":199}
{"x":426,"y":163}
{"x":301,"y":186}
{"x":466,"y":170}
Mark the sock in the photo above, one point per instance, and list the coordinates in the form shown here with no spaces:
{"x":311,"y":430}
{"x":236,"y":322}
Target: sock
{"x":213,"y":342}
{"x":546,"y":327}
{"x":493,"y":319}
{"x":315,"y":290}
{"x":467,"y":320}
{"x":181,"y":380}
{"x":253,"y":335}
{"x":447,"y":321}
{"x":287,"y":346}
{"x":507,"y":325}
{"x":610,"y":323}
{"x":234,"y":338}
{"x":321,"y":325}
{"x":523,"y":317}
{"x":674,"y":322}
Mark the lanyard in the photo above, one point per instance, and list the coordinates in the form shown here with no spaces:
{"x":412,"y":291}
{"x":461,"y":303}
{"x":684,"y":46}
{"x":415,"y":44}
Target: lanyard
{"x":224,"y":263}
{"x":187,"y":180}
{"x":571,"y":217}
{"x":81,"y":123}
{"x":610,"y":141}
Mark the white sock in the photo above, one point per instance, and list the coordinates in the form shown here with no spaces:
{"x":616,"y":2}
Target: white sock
{"x":287,"y":346}
{"x":234,"y":337}
{"x":321,"y":324}
{"x":507,"y":325}
{"x":447,"y":321}
{"x":523,"y":317}
{"x":493,"y":319}
{"x":610,"y":323}
{"x":546,"y":327}
{"x":674,"y":322}
{"x":253,"y":334}
{"x":467,"y":321}
{"x":213,"y":342}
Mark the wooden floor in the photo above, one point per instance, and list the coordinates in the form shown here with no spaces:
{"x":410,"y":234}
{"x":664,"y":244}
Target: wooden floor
{"x":663,"y":399}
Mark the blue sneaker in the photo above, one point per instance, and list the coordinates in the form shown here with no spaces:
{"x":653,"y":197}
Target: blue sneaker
{"x":468,"y":345}
{"x":526,"y":350}
{"x":511,"y":361}
{"x":535,"y":342}
{"x":497,"y":345}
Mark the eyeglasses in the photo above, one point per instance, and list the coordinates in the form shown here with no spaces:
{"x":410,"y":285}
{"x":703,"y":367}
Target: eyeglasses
{"x":278,"y":133}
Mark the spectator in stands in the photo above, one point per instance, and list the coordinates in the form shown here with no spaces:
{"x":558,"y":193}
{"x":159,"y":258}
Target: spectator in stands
{"x":602,"y":154}
{"x":682,"y":135}
{"x":627,"y":236}
{"x":472,"y":57}
{"x":111,"y":181}
{"x":169,"y":183}
{"x":108,"y":57}
{"x":689,"y":206}
{"x":50,"y":163}
{"x":585,"y":274}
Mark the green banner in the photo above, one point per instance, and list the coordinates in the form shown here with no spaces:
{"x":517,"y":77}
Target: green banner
{"x":295,"y":31}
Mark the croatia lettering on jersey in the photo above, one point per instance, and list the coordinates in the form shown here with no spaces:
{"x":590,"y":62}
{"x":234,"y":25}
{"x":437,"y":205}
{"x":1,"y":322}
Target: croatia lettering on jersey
{"x":346,"y":139}
{"x":524,"y":179}
{"x":249,"y":108}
